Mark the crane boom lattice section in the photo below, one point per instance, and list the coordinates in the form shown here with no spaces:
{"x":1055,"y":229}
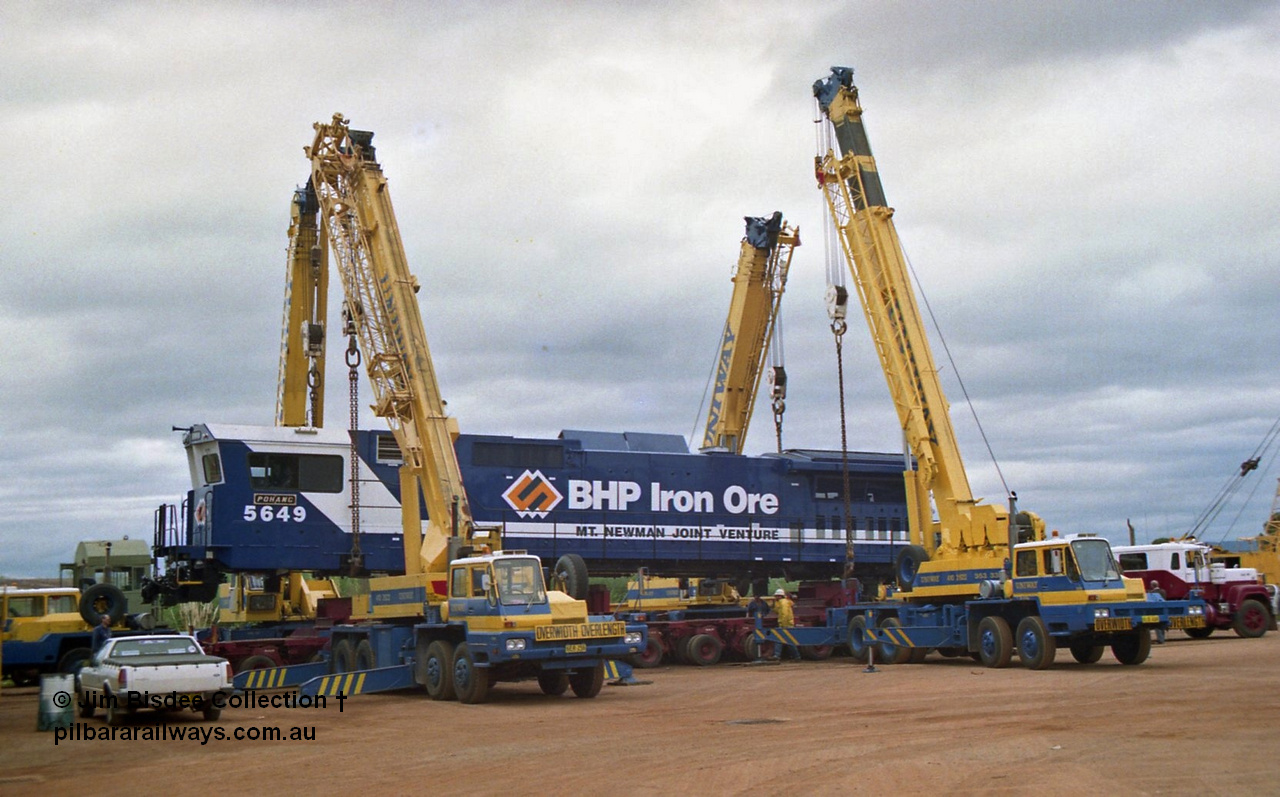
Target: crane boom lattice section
{"x":381,"y":300}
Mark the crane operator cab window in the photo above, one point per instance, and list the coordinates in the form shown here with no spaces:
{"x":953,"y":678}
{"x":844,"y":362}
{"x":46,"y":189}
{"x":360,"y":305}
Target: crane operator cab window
{"x":1095,"y":559}
{"x":519,"y":581}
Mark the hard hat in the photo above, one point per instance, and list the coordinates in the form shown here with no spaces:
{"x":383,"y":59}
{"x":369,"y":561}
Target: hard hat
{"x":779,"y":593}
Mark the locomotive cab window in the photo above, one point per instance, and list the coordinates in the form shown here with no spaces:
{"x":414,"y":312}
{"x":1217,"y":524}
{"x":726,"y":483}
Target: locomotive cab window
{"x":312,"y":473}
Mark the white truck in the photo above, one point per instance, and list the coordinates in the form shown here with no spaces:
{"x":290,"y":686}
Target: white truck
{"x":165,"y":672}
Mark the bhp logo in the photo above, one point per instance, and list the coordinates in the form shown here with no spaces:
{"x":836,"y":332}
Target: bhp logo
{"x":532,"y":495}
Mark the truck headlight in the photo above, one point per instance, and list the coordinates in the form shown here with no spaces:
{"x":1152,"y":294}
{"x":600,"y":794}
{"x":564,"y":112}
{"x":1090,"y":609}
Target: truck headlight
{"x":515,"y":645}
{"x":1195,"y":610}
{"x":632,"y":638}
{"x":1100,"y":613}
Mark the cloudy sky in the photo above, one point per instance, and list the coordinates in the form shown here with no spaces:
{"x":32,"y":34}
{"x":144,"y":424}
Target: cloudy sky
{"x":1087,"y":192}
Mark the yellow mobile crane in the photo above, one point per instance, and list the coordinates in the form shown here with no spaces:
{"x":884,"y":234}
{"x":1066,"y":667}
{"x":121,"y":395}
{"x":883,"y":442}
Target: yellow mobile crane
{"x":758,"y":282}
{"x":300,"y":387}
{"x":969,"y":541}
{"x":464,"y":614}
{"x":977,"y":572}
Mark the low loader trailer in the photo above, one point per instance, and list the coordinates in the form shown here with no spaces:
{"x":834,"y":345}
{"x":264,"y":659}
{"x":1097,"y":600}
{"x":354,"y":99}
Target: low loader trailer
{"x":701,"y":621}
{"x":1063,"y":592}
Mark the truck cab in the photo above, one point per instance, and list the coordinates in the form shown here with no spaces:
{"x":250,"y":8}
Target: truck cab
{"x":42,"y":631}
{"x":1235,"y":597}
{"x":1074,"y":569}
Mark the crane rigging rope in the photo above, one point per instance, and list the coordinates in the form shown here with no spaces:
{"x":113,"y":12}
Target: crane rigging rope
{"x":1265,"y":450}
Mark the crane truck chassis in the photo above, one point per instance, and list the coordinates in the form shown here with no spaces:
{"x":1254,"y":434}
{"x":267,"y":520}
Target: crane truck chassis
{"x":1064,"y":592}
{"x":499,"y":623}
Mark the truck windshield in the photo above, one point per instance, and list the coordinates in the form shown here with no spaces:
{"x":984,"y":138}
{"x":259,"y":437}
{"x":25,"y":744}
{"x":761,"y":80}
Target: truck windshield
{"x":1095,"y":560}
{"x":519,"y":581}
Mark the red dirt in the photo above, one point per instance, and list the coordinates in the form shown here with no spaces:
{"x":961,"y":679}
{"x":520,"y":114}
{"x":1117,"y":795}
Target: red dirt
{"x":1200,"y":717}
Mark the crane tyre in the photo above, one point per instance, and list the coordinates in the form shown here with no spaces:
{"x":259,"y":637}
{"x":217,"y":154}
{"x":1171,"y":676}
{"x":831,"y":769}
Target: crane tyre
{"x":470,"y":682}
{"x":751,"y":646}
{"x":704,"y":650}
{"x":1036,"y":647}
{"x":587,"y":683}
{"x":1199,"y":633}
{"x":995,"y":642}
{"x":1087,"y":652}
{"x":344,"y":656}
{"x":103,"y":599}
{"x":1132,"y":648}
{"x":907,"y":563}
{"x":888,"y":652}
{"x":437,"y":670}
{"x":366,"y":659}
{"x":553,"y":682}
{"x":857,"y":644}
{"x":571,"y":571}
{"x":1251,"y":620}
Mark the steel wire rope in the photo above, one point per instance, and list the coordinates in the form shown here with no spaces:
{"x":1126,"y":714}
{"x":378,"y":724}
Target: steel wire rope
{"x":959,"y":380}
{"x":1232,"y":485}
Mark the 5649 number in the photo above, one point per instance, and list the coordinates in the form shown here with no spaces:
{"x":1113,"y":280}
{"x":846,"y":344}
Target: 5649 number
{"x":283,"y":514}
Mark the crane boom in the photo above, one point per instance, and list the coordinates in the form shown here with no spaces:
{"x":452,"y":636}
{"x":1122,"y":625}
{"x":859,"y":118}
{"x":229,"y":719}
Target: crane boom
{"x":968,"y":536}
{"x":758,"y":283}
{"x":381,"y":300}
{"x":300,"y":387}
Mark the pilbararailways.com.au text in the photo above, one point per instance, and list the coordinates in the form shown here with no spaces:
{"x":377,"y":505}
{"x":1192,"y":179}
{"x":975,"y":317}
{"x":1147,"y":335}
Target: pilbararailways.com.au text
{"x":95,"y":732}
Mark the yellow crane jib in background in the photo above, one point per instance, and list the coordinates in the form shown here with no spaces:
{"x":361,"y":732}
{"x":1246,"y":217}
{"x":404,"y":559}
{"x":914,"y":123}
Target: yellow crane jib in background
{"x":758,"y":283}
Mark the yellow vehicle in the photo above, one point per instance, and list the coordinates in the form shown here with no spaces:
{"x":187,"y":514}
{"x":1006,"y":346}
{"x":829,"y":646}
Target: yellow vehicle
{"x":749,"y":331}
{"x":460,"y":618}
{"x":42,"y":631}
{"x":977,"y":578}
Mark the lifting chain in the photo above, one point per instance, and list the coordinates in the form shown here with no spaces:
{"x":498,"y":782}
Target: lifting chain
{"x":356,"y":564}
{"x":778,"y":385}
{"x":838,"y":328}
{"x":315,"y":392}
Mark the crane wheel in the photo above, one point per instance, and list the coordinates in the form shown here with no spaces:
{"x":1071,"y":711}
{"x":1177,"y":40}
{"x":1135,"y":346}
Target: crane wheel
{"x":344,"y":656}
{"x":995,"y":642}
{"x":553,"y":682}
{"x":103,"y":599}
{"x":436,"y":673}
{"x":571,"y":572}
{"x":857,"y":644}
{"x":1132,"y":648}
{"x":1199,"y":633}
{"x":1087,"y":652}
{"x":907,"y":563}
{"x":1036,"y":647}
{"x":470,"y":682}
{"x":365,"y":657}
{"x":889,"y":653}
{"x":587,"y":683}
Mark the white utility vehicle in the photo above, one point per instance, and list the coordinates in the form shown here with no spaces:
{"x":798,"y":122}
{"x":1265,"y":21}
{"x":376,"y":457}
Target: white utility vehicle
{"x":165,"y":672}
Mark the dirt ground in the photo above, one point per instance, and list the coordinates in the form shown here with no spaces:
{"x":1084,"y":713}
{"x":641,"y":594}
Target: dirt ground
{"x":1200,"y":717}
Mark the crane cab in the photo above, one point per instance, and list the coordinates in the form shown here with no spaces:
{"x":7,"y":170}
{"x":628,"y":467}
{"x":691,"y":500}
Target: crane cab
{"x":1074,"y":569}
